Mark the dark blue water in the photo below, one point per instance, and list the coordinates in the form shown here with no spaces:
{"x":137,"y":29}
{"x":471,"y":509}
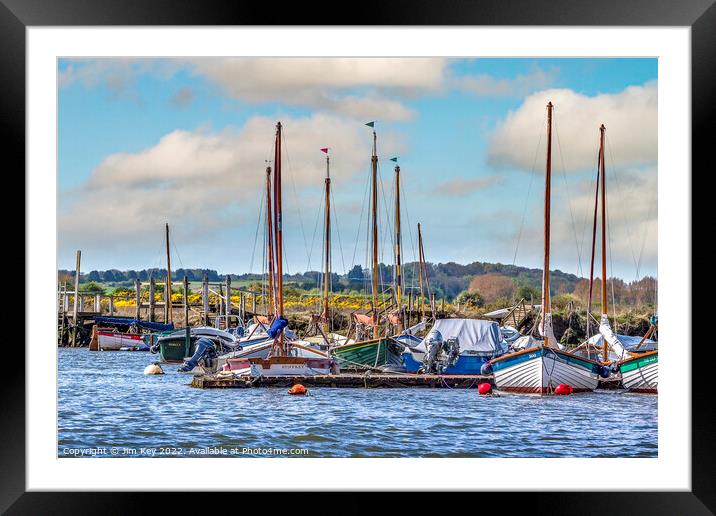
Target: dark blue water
{"x":107,"y":407}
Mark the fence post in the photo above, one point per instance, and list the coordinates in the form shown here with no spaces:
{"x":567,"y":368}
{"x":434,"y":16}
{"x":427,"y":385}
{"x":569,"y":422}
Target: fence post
{"x":228,"y":300}
{"x":76,"y":300}
{"x":186,"y":301}
{"x":151,"y":300}
{"x":205,"y":298}
{"x":137,"y":298}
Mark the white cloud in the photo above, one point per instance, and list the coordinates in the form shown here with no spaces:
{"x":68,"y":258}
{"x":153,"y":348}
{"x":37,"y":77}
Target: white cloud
{"x":208,"y":181}
{"x":630,"y":117}
{"x":357,"y":87}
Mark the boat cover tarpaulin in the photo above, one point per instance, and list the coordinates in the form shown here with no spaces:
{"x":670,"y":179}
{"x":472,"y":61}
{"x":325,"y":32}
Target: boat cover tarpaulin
{"x":473,"y":335}
{"x":121,"y":321}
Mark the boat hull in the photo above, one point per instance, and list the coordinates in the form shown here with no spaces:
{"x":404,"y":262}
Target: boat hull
{"x":540,"y":370}
{"x":291,"y":366}
{"x":369,"y":354}
{"x":175,"y":350}
{"x":116,"y":341}
{"x":641,"y":373}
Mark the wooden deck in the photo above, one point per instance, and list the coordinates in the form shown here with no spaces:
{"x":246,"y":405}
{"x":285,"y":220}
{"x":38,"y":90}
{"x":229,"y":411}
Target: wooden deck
{"x":368,"y":381}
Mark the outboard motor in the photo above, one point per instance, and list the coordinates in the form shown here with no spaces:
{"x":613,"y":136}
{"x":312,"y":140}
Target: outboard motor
{"x":486,"y":369}
{"x":452,"y":346}
{"x":434,"y":345}
{"x":205,"y":352}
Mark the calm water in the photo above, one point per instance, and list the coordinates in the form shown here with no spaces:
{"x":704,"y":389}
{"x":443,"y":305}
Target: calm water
{"x":106,"y":405}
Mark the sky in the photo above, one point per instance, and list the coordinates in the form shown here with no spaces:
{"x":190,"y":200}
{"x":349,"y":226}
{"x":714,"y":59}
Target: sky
{"x":142,"y":142}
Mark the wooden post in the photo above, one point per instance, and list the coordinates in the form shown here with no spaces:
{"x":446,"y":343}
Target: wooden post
{"x":97,"y":303}
{"x":242,"y":306}
{"x":66,"y":302}
{"x":82,"y":302}
{"x":186,"y":301}
{"x":253,"y":304}
{"x":76,"y":300}
{"x":228,"y":301}
{"x":137,"y":298}
{"x":205,"y":298}
{"x":111,"y":305}
{"x":151,"y":300}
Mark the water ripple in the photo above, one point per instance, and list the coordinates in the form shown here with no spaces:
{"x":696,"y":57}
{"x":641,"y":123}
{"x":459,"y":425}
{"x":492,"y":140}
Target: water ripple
{"x":105,"y":401}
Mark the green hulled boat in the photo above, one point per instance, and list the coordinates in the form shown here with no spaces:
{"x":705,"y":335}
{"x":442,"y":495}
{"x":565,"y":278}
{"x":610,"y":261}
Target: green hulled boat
{"x":181,"y":344}
{"x":369,"y":354}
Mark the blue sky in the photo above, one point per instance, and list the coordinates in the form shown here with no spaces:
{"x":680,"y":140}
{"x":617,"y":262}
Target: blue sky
{"x":142,"y":142}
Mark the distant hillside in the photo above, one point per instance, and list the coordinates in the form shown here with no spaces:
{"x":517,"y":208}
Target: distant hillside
{"x":447,"y":280}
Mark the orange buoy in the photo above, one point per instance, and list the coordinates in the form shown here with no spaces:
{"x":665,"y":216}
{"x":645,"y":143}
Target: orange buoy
{"x":484,"y":388}
{"x":298,"y":389}
{"x":563,"y":388}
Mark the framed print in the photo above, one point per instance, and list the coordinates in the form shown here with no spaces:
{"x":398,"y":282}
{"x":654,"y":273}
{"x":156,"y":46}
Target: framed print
{"x":434,"y":250}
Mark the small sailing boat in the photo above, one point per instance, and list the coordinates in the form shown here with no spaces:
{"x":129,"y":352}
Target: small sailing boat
{"x":284,"y":359}
{"x":378,"y":351}
{"x":541,"y":368}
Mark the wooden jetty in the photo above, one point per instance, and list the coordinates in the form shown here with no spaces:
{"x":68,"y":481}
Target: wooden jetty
{"x":357,"y":380}
{"x":368,"y":381}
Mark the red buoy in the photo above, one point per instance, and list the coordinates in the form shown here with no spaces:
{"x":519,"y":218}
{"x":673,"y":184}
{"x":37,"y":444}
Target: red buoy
{"x":563,"y":388}
{"x":298,"y":389}
{"x":484,"y":388}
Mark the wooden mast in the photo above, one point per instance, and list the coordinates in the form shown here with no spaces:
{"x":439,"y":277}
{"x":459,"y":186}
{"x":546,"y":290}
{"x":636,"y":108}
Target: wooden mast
{"x":374,"y":206}
{"x":594,"y":234}
{"x":168,"y":293}
{"x":602,"y":130}
{"x":269,"y":245}
{"x":278,"y":235}
{"x":420,"y":259}
{"x":327,"y":250}
{"x":547,"y":205}
{"x":398,"y":264}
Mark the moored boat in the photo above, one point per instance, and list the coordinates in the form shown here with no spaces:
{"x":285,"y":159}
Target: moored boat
{"x":455,"y":347}
{"x":542,"y":367}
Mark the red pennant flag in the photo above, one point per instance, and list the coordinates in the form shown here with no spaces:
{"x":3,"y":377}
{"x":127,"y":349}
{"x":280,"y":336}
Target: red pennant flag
{"x":325,"y":150}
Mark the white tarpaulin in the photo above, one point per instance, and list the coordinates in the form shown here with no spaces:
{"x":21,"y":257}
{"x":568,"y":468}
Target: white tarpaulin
{"x":474,"y":335}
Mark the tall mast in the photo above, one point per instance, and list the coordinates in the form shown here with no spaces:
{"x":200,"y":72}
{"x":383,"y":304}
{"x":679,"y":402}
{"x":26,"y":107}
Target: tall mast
{"x":374,"y":203}
{"x":420,"y":259}
{"x":269,"y":244}
{"x":327,"y":250}
{"x":594,"y":233}
{"x":278,"y":232}
{"x":168,"y":293}
{"x":602,"y":130}
{"x":398,"y":264}
{"x":547,"y":205}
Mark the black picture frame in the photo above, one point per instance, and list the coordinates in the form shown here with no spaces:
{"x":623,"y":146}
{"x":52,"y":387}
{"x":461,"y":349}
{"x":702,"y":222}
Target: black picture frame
{"x":700,"y":15}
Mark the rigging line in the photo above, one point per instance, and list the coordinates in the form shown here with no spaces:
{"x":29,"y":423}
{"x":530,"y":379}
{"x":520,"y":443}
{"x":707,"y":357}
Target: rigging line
{"x":256,"y":234}
{"x":295,"y":193}
{"x":569,"y":198}
{"x":404,"y":202}
{"x":587,"y":211}
{"x":611,"y":266}
{"x":529,"y":190}
{"x":360,"y":219}
{"x":338,"y":232}
{"x":621,"y":196}
{"x":313,"y":239}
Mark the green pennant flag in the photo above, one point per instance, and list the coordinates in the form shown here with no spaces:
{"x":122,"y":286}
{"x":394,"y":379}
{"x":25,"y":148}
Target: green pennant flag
{"x":370,"y":124}
{"x":394,"y":159}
